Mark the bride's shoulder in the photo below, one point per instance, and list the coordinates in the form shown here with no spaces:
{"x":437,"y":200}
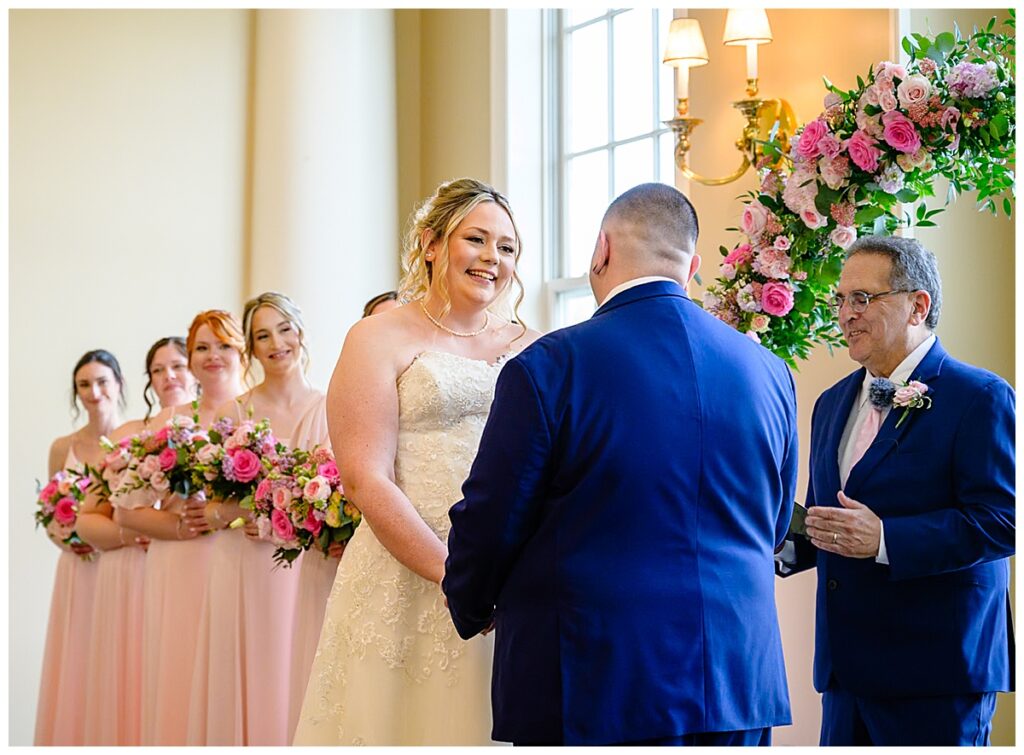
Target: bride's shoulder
{"x":385,"y":336}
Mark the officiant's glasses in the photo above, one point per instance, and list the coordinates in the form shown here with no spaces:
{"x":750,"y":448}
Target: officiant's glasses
{"x":858,"y":300}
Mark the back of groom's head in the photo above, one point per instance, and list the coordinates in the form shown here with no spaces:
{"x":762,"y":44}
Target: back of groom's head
{"x":661,"y":209}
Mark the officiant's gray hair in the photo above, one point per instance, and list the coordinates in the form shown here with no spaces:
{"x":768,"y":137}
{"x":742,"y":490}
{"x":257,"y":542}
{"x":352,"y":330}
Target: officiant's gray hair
{"x":657,"y":210}
{"x":914,"y":268}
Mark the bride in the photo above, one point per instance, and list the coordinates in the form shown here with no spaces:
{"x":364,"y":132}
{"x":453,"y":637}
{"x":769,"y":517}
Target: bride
{"x":406,"y":407}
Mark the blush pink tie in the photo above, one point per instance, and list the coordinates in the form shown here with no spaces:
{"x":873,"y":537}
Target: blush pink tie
{"x":866,"y":435}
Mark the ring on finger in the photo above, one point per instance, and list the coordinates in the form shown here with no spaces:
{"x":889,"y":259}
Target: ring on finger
{"x":835,"y":537}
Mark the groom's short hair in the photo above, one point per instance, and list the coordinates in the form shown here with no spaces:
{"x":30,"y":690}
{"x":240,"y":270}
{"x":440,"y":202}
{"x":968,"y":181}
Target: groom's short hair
{"x":660,"y":209}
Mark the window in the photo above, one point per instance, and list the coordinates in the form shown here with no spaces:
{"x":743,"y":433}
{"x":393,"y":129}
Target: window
{"x":610,"y":94}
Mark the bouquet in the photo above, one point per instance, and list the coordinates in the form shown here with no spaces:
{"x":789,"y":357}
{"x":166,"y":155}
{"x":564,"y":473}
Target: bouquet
{"x":300,"y":503}
{"x":163,"y":460}
{"x":59,"y":502}
{"x":232,"y":459}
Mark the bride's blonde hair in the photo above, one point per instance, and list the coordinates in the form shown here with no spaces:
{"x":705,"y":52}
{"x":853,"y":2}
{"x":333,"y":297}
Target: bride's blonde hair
{"x":435,"y":220}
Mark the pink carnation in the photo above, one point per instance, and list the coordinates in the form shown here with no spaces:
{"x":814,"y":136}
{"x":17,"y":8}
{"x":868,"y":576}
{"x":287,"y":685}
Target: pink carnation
{"x":900,"y":133}
{"x":64,"y":512}
{"x":927,"y":66}
{"x":148,"y":466}
{"x":246,"y":465}
{"x":773,"y":263}
{"x":863,"y":151}
{"x":777,"y":298}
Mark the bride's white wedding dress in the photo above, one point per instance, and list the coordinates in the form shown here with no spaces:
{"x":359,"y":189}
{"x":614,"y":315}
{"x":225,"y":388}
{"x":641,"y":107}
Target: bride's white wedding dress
{"x":390,"y":668}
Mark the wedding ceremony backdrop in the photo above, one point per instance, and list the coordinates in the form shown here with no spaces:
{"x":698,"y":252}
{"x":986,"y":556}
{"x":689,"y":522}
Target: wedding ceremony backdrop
{"x":166,"y":162}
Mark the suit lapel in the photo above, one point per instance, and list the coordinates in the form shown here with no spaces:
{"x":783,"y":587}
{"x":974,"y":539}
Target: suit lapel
{"x":889,"y":436}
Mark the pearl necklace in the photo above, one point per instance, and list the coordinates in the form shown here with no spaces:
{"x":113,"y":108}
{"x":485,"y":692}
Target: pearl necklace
{"x":446,"y":329}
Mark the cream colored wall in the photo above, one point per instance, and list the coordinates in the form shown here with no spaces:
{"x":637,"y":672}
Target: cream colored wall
{"x":127,"y":159}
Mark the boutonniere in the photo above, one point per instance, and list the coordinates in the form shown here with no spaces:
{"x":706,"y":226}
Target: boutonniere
{"x":906,"y":396}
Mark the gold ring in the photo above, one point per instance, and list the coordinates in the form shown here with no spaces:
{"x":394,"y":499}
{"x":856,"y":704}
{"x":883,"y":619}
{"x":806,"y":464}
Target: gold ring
{"x":835,"y":537}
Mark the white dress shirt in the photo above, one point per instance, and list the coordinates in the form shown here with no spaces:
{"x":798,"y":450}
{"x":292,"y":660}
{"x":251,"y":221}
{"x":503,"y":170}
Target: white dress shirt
{"x":859,"y":414}
{"x":632,"y":283}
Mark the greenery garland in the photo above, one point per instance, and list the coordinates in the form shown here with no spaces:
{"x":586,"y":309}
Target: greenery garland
{"x":949,"y":113}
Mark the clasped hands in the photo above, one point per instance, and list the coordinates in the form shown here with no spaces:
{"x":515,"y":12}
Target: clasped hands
{"x":852,"y":530}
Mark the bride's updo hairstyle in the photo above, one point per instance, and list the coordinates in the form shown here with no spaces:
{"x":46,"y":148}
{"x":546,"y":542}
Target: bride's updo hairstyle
{"x":288,"y":309}
{"x":436,"y":219}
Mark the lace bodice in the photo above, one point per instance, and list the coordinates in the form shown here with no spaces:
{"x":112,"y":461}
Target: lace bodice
{"x":443,"y":400}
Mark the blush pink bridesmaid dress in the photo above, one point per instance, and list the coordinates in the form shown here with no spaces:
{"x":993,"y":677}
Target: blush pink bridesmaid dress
{"x":60,"y":713}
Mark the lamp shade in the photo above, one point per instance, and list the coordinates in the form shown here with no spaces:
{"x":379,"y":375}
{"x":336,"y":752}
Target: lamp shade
{"x":746,"y":26}
{"x":685,"y":47}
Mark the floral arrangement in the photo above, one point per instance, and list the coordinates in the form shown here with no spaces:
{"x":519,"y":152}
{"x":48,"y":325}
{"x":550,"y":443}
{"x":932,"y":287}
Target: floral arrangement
{"x":906,"y":396}
{"x":300,"y":503}
{"x":59,"y":502}
{"x":950,"y":113}
{"x":232,"y":458}
{"x":162,"y":461}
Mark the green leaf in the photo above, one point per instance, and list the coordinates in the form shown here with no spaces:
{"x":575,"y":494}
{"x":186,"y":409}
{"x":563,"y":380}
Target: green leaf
{"x":925,"y":224}
{"x":908,"y":46}
{"x":825,"y":199}
{"x":945,"y":42}
{"x":936,"y":54}
{"x":803,"y":301}
{"x":1007,"y":206}
{"x":907,"y":195}
{"x":723,"y":251}
{"x":867,"y":214}
{"x":991,"y":23}
{"x":1000,"y":125}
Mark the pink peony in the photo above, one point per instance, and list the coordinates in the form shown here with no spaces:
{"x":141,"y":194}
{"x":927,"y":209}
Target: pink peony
{"x":328,"y":469}
{"x":282,"y":497}
{"x":777,"y":298}
{"x":863,"y":151}
{"x":755,"y":215}
{"x":64,"y":512}
{"x":317,"y":489}
{"x":913,"y":89}
{"x":842,"y":236}
{"x":246,"y":465}
{"x":812,"y":218}
{"x":900,"y":133}
{"x":168,"y":458}
{"x":282,"y":524}
{"x":812,"y":134}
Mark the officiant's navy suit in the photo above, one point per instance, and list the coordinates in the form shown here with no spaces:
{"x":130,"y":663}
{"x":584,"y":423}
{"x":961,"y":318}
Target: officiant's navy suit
{"x":935,"y":620}
{"x":634,"y":477}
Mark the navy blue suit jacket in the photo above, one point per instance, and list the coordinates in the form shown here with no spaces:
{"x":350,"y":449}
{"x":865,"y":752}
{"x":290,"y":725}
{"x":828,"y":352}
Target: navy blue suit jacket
{"x":634,"y":477}
{"x":936,"y":620}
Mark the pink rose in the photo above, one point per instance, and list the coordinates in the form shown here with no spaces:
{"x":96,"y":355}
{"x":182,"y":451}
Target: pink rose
{"x":812,"y":218}
{"x":64,"y":511}
{"x":329,"y":470}
{"x":777,"y":298}
{"x":148,"y":466}
{"x":759,"y":323}
{"x":312,"y":524}
{"x":829,"y":146}
{"x":246,"y":465}
{"x":317,"y":489}
{"x":282,"y":497}
{"x":813,"y":132}
{"x":913,"y":89}
{"x":782,"y":243}
{"x":63,"y":485}
{"x":263,"y":489}
{"x":842,"y":236}
{"x":162,"y":434}
{"x":117,"y":459}
{"x":863,"y":151}
{"x":887,"y":101}
{"x":909,"y":393}
{"x":755,"y":216}
{"x":208,"y":453}
{"x":283,"y":528}
{"x":728,"y":271}
{"x":900,"y":133}
{"x":168,"y":458}
{"x":47,"y":492}
{"x":950,"y":119}
{"x":159,"y":482}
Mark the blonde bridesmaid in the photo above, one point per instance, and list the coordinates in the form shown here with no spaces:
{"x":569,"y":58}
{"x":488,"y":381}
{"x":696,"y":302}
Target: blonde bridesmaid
{"x":97,"y":383}
{"x":113,"y":714}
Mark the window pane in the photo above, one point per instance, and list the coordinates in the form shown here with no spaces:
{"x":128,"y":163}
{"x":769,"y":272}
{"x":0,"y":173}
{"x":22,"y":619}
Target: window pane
{"x":667,"y":160}
{"x":588,"y":85}
{"x":575,"y":307}
{"x":579,"y":15}
{"x":633,"y":72}
{"x":634,"y":164}
{"x":666,"y":79}
{"x":588,"y":199}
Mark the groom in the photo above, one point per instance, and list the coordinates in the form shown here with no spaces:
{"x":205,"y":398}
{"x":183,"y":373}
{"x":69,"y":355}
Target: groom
{"x":635,"y":475}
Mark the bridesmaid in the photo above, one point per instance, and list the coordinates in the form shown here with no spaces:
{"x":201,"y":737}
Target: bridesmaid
{"x":113,"y":715}
{"x":60,"y":715}
{"x":274,"y":337}
{"x":216,"y":352}
{"x":174,"y":589}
